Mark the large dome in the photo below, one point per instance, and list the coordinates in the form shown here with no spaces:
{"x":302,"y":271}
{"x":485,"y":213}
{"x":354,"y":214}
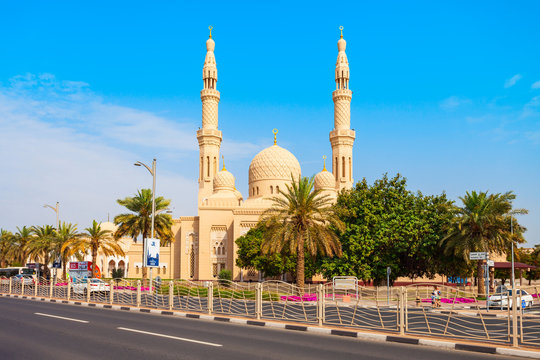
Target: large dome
{"x":274,"y":163}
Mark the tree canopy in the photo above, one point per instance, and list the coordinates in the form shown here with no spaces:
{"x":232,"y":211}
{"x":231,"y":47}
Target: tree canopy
{"x":389,"y":226}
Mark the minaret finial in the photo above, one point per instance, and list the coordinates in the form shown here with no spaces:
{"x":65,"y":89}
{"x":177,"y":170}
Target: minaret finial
{"x":340,"y":29}
{"x":223,"y":159}
{"x":324,"y":163}
{"x":211,"y":27}
{"x":275,"y":131}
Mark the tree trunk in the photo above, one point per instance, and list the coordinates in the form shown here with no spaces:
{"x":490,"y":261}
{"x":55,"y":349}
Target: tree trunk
{"x":481,"y":280}
{"x":300,"y":262}
{"x":94,"y":259}
{"x":64,"y":268}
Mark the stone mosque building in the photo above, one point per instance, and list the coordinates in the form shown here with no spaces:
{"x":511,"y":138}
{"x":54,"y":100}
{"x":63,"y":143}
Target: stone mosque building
{"x":205,"y":244}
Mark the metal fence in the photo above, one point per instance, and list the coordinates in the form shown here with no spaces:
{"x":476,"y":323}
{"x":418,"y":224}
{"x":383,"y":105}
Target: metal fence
{"x":402,"y":310}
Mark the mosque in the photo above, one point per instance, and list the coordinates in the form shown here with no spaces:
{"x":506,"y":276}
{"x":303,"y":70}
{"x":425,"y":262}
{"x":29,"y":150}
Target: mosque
{"x":205,"y":244}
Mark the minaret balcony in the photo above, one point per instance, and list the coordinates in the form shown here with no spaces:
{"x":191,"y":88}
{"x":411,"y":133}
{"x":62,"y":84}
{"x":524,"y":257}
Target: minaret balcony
{"x":340,"y":94}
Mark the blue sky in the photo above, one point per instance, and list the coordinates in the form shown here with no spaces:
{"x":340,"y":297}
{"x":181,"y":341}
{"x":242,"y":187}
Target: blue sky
{"x":445,"y":93}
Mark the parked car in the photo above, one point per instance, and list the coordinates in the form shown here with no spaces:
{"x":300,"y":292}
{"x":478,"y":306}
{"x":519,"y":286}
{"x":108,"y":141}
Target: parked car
{"x":24,"y":279}
{"x":504,"y":299}
{"x":96,"y":286}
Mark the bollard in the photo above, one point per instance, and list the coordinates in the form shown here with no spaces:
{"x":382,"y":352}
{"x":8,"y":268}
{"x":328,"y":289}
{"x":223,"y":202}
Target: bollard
{"x":22,"y":286}
{"x":320,"y":304}
{"x":171,"y":294}
{"x":138,"y":293}
{"x":68,"y":289}
{"x":10,"y":281}
{"x":36,"y":284}
{"x":111,"y":292}
{"x":401,"y":309}
{"x":88,"y":290}
{"x":514,"y":320}
{"x":51,"y":283}
{"x":258,"y":300}
{"x":210,"y":297}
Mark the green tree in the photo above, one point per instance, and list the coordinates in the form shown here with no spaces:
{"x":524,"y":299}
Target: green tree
{"x":94,"y":239}
{"x":42,"y":245}
{"x":138,"y":223}
{"x":301,"y":221}
{"x":482,"y":224}
{"x":390,"y":226}
{"x":65,"y":235}
{"x":249,"y":254}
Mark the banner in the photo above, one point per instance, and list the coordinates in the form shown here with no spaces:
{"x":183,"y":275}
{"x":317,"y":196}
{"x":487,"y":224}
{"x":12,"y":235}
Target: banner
{"x":152,"y":252}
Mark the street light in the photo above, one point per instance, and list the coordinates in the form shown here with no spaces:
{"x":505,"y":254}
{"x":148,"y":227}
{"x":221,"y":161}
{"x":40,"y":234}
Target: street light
{"x":153,"y":173}
{"x":57,"y":211}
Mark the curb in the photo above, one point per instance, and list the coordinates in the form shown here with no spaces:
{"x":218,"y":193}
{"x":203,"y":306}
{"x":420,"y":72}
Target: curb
{"x":367,"y":336}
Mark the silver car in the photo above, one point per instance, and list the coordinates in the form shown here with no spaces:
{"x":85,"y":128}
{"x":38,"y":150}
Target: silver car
{"x":503,"y":299}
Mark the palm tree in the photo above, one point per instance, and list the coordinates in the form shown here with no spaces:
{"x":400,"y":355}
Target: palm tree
{"x":65,"y":235}
{"x":482,"y":224}
{"x":6,"y":247}
{"x":138,"y":223}
{"x":22,"y":239}
{"x":42,"y":245}
{"x":301,"y":220}
{"x":94,"y":240}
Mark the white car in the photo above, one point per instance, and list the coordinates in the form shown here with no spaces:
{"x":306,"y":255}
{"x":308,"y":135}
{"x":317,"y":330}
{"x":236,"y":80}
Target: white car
{"x":504,"y":299}
{"x":96,"y":285}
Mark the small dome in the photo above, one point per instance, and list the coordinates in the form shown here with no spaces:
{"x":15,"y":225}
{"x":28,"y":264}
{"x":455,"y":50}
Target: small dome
{"x":274,"y":163}
{"x":224,"y":180}
{"x":324,"y":181}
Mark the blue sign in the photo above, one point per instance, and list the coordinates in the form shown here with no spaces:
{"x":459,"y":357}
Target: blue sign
{"x":152,"y":252}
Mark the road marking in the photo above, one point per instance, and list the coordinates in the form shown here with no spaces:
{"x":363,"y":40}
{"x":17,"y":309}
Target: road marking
{"x":169,"y":337}
{"x":61,"y":317}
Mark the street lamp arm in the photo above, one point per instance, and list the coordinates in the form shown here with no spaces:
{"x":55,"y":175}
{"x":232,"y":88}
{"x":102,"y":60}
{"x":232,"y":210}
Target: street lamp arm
{"x":138,"y":163}
{"x":50,"y":207}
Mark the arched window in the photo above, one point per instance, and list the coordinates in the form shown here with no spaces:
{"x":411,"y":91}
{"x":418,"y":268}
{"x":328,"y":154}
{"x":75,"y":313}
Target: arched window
{"x":350,"y":169}
{"x":208,"y":166}
{"x":271,"y":189}
{"x":343,"y":166}
{"x":257,"y":190}
{"x":337,"y":170}
{"x":277,"y":189}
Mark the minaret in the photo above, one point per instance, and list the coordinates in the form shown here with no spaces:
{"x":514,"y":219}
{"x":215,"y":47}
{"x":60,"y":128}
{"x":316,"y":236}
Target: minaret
{"x":342,"y":137}
{"x":209,"y":136}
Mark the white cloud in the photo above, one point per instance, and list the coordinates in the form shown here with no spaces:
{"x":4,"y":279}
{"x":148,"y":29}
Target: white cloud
{"x":535,"y":85}
{"x":61,"y":142}
{"x":512,"y":81}
{"x":453,"y":102}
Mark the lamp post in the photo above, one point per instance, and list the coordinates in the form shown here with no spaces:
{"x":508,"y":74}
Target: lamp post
{"x":56,"y":209}
{"x":153,"y":173}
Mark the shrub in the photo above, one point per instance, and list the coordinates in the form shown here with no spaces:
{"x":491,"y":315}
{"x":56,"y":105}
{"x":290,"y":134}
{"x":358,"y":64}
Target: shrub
{"x":117,"y":273}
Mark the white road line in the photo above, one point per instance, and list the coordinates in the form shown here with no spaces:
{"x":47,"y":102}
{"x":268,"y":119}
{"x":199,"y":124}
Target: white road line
{"x":169,"y":337}
{"x":61,"y":317}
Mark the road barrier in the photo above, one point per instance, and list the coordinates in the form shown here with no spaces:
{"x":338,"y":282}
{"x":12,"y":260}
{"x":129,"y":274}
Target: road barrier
{"x":456,"y":313}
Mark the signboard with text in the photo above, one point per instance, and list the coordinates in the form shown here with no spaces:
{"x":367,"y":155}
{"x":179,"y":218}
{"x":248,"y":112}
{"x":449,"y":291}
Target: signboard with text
{"x":478,"y":256}
{"x":152,"y":252}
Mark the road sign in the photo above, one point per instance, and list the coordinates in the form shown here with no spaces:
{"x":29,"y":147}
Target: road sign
{"x":491,"y":263}
{"x":478,"y":256}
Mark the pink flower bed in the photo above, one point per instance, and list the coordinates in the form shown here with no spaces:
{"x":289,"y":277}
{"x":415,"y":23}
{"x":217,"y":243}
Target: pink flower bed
{"x":452,"y":300}
{"x":305,"y":297}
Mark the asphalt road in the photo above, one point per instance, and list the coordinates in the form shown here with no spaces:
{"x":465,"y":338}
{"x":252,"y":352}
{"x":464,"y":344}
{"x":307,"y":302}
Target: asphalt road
{"x":39,"y":330}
